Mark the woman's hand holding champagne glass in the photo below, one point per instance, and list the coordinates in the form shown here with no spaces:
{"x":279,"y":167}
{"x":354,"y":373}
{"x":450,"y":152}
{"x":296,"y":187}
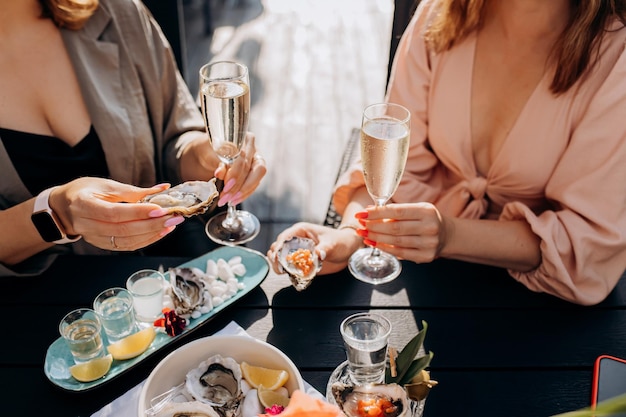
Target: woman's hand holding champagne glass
{"x":225,"y":100}
{"x":385,"y":131}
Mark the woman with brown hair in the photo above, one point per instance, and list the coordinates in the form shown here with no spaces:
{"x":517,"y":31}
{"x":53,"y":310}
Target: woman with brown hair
{"x":518,"y":143}
{"x":92,"y":104}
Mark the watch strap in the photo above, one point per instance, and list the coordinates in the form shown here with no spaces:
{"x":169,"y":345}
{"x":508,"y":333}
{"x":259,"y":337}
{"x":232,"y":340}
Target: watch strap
{"x":42,"y":204}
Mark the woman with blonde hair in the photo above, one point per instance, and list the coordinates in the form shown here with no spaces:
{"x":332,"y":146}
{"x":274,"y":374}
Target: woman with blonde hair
{"x":93,"y":114}
{"x":518,"y":143}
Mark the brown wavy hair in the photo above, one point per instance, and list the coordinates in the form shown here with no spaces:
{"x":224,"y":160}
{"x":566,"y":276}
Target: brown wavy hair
{"x":69,"y":14}
{"x":576,"y":48}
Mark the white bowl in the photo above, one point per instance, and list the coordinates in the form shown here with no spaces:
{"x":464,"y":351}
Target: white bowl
{"x":172,"y":369}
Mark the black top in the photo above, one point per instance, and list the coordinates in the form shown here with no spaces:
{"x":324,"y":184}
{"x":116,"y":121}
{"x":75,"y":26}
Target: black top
{"x":54,"y":162}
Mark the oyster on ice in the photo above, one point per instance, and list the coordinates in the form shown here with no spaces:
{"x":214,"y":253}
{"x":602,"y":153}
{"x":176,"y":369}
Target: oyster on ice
{"x":187,"y":290}
{"x":217,"y":382}
{"x":351,"y":399}
{"x":186,"y":409}
{"x":187,"y":199}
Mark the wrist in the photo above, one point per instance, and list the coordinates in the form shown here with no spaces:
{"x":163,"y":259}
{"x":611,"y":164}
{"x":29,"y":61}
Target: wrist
{"x":356,"y":242}
{"x":47,"y":222}
{"x":197,"y":160}
{"x":446,"y":233}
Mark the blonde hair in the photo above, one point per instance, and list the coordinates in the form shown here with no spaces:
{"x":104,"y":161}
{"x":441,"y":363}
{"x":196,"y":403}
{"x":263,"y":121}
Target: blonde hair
{"x":70,"y":14}
{"x":453,"y":20}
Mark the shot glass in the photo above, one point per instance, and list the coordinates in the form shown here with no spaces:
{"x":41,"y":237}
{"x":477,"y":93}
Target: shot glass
{"x":365,"y":336}
{"x":115,"y":310}
{"x":81,"y":330}
{"x":147,"y":288}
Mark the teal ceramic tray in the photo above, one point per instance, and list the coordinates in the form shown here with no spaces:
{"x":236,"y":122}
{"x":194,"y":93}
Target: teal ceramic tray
{"x":59,"y":359}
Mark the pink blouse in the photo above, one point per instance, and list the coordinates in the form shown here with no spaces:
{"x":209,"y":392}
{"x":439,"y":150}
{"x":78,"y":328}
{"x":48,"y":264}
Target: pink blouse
{"x":562,"y":167}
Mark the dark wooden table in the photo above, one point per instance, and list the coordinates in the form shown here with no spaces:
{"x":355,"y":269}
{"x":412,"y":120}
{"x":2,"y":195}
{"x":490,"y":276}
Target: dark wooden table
{"x":500,"y":350}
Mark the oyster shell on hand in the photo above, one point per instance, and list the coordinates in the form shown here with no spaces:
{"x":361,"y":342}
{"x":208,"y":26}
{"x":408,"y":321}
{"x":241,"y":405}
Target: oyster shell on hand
{"x":298,"y":258}
{"x":352,"y":400}
{"x":217,"y":382}
{"x":187,"y":199}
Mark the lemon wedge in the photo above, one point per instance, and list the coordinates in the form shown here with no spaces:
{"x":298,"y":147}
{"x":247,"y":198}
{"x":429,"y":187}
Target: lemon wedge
{"x":269,"y":398}
{"x":133,"y":345}
{"x":258,"y":376}
{"x":92,"y":370}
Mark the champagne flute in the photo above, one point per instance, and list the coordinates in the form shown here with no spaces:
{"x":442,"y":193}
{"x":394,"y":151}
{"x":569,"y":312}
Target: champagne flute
{"x":385,"y":132}
{"x":225,"y":99}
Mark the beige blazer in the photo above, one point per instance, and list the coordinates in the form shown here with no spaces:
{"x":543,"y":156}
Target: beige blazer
{"x":138,"y":102}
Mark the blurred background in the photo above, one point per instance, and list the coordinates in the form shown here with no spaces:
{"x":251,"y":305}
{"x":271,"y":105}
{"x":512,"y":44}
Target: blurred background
{"x":314,"y":65}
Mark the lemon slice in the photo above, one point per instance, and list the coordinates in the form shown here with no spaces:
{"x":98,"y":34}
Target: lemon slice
{"x":133,"y":345}
{"x":269,"y":398}
{"x":92,"y":370}
{"x":258,"y":376}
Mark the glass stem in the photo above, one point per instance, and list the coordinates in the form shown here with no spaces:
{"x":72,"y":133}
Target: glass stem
{"x":231,"y":221}
{"x":375,"y":251}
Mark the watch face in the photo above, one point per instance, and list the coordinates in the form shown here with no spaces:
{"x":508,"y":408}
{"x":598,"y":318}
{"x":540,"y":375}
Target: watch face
{"x":46,"y":226}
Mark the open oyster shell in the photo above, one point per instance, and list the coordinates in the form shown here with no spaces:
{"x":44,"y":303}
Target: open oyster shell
{"x":187,"y":291}
{"x":188,"y":199}
{"x":217,"y":382}
{"x":351,"y":398}
{"x":298,"y":258}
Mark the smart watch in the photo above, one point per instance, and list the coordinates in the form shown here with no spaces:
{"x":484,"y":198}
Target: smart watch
{"x":47,"y":223}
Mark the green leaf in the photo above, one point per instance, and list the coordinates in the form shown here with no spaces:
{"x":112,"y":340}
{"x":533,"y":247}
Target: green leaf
{"x":406,"y":356}
{"x":609,"y":407}
{"x":416,"y":366}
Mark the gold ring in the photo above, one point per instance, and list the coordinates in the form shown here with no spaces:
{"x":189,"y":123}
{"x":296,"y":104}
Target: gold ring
{"x":113,"y":244}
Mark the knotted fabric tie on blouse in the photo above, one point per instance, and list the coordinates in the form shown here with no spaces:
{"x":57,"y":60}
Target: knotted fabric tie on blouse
{"x":466,"y":199}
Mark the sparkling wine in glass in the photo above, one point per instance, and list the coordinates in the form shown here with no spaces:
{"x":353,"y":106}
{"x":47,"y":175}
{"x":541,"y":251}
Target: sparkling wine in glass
{"x":225,"y":100}
{"x":385,"y":130}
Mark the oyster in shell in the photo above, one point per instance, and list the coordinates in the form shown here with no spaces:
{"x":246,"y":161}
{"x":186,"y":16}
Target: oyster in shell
{"x":217,"y":382}
{"x":352,"y":398}
{"x":187,"y":199}
{"x":298,"y":258}
{"x":187,"y":409}
{"x":187,"y":290}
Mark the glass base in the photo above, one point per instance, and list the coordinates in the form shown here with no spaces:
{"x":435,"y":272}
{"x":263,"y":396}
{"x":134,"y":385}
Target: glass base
{"x":374,"y":269}
{"x":341,"y":375}
{"x":247,"y":229}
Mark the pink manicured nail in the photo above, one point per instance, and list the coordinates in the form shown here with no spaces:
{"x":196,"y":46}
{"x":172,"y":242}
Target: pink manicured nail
{"x":236,"y":199}
{"x":225,"y":198}
{"x":158,"y":212}
{"x":174,"y":221}
{"x":228,"y":185}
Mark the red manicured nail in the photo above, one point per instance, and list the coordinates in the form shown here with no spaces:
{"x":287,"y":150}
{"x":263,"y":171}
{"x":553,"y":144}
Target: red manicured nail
{"x":362,"y":232}
{"x":361,"y":215}
{"x":362,"y":222}
{"x":369,"y":243}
